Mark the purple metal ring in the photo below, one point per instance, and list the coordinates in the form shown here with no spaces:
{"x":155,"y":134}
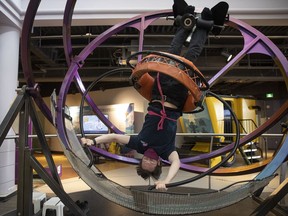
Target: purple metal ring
{"x":254,"y":42}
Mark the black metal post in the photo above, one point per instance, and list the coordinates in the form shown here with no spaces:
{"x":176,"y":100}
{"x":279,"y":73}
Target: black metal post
{"x":11,"y":115}
{"x":23,"y":105}
{"x":44,"y":145}
{"x":24,"y":192}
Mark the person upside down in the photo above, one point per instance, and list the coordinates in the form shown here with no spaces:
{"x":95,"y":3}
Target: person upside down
{"x":156,"y":140}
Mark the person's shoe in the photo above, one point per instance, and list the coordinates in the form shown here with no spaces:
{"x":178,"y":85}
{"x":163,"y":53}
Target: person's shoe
{"x":206,"y":14}
{"x":179,"y":7}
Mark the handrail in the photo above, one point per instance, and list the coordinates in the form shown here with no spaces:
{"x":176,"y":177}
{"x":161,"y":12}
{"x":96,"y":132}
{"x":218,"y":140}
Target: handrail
{"x":177,"y":134}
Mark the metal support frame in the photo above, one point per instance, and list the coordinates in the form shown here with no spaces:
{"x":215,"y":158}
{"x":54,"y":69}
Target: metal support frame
{"x":244,"y":156}
{"x":283,"y":173}
{"x":23,"y":105}
{"x":272,"y":201}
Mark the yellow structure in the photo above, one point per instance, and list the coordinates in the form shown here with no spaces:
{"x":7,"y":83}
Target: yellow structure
{"x":220,"y":121}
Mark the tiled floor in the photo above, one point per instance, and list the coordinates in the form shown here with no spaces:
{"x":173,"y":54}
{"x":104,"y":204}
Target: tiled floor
{"x":125,"y":175}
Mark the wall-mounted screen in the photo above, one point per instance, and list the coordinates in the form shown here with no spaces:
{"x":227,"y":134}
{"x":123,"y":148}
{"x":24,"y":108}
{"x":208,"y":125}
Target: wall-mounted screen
{"x":93,"y":125}
{"x":121,"y":116}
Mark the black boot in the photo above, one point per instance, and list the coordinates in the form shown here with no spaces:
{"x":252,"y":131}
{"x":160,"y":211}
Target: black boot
{"x":179,"y":7}
{"x":219,"y":13}
{"x":206,"y":14}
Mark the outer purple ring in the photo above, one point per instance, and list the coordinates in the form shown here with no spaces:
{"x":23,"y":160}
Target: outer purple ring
{"x":26,"y":61}
{"x":255,"y":42}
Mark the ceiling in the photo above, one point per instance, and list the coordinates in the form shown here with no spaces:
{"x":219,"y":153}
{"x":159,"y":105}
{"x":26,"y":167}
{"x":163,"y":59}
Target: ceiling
{"x":254,"y":75}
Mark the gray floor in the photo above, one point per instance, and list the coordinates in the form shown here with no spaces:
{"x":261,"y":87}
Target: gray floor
{"x":127,"y":176}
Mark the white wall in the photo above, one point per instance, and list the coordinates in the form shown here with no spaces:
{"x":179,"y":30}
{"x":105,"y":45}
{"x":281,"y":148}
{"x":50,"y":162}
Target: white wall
{"x":9,"y":41}
{"x":112,"y":96}
{"x":148,"y":5}
{"x":89,"y":12}
{"x":10,"y":12}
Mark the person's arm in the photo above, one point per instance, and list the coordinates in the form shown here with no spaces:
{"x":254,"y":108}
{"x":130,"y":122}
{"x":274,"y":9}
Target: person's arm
{"x":87,"y":141}
{"x":107,"y":138}
{"x":174,"y":167}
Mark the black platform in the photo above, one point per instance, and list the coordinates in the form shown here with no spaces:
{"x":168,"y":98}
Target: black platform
{"x":99,"y":206}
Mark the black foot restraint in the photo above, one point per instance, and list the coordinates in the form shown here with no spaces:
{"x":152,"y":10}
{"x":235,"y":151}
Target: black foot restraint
{"x":89,"y":154}
{"x":179,"y":7}
{"x":219,"y":13}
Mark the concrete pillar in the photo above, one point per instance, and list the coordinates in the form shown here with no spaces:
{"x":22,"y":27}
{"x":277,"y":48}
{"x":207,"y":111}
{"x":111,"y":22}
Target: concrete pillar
{"x":9,"y":63}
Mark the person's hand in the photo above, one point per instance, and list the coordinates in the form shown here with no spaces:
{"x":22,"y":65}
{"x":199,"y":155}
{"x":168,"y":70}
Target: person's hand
{"x":160,"y":185}
{"x":86,"y":141}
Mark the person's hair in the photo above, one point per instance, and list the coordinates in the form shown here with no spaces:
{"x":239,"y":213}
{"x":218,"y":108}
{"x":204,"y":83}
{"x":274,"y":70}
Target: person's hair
{"x":146,"y":174}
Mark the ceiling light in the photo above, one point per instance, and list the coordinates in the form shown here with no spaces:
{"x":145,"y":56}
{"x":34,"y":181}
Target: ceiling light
{"x":227,"y":55}
{"x":88,"y":31}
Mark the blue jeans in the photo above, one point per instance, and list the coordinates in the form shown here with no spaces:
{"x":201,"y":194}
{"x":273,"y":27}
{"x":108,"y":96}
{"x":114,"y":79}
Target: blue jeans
{"x":196,"y":45}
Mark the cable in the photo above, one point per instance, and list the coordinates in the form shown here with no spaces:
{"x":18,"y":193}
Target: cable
{"x":175,"y":184}
{"x":108,"y":73}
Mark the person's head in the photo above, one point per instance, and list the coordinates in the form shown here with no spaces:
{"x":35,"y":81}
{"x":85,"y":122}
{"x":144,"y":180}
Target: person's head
{"x":150,"y":165}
